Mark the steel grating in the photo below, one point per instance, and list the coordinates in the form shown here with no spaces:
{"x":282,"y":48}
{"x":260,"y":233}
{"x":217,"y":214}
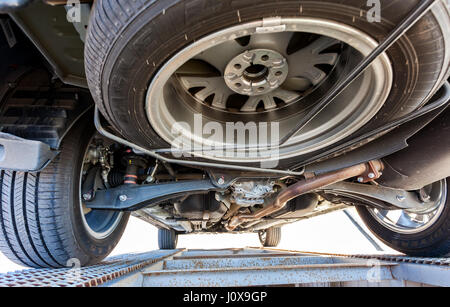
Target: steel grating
{"x":111,"y":269}
{"x":384,"y":257}
{"x":396,"y":258}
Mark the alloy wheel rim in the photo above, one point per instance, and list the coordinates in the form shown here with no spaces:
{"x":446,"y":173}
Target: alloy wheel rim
{"x":170,"y":100}
{"x":407,"y":222}
{"x":99,"y":224}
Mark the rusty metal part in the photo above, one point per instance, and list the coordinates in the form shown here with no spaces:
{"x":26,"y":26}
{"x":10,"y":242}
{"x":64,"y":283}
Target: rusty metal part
{"x":372,"y":174}
{"x":265,"y":267}
{"x":305,"y":186}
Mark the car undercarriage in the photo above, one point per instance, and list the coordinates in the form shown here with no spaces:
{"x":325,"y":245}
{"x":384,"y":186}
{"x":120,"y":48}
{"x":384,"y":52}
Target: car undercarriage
{"x":241,"y":118}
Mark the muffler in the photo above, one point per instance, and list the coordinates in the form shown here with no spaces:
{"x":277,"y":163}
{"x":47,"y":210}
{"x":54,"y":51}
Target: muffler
{"x":367,"y":171}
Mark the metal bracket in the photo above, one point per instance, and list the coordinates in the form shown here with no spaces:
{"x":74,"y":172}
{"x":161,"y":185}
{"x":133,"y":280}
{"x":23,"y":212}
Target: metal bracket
{"x":84,"y":12}
{"x":372,"y":173}
{"x":24,"y":155}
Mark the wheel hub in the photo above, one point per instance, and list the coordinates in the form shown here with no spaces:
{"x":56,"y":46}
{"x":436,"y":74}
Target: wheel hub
{"x":256,"y":72}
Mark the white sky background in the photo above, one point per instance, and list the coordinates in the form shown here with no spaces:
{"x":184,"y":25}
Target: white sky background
{"x":332,"y":233}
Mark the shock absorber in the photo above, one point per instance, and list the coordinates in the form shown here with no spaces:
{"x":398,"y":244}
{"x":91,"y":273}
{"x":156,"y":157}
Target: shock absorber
{"x":133,"y":164}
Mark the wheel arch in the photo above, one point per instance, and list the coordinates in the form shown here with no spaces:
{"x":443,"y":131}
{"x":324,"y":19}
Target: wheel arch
{"x":50,"y":110}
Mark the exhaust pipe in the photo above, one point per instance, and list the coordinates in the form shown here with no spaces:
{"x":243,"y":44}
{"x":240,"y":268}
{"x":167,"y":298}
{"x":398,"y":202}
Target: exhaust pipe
{"x":368,"y":171}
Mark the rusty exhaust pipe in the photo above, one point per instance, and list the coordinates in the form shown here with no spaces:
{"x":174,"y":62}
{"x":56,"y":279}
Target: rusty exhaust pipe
{"x":368,"y":171}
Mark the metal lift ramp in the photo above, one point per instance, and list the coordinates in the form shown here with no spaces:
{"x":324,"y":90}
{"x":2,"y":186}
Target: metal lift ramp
{"x":242,"y":267}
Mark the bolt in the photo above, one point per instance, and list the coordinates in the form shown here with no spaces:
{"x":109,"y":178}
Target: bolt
{"x":425,"y":198}
{"x":150,"y":179}
{"x":360,"y":179}
{"x":221,"y":180}
{"x":371,"y":175}
{"x":401,"y":198}
{"x":87,"y":196}
{"x":123,"y":198}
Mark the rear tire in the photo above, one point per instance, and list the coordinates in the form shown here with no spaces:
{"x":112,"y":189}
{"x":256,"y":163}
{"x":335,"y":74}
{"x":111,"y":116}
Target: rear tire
{"x":40,"y":217}
{"x":270,"y":237}
{"x":167,"y":239}
{"x":434,"y":241}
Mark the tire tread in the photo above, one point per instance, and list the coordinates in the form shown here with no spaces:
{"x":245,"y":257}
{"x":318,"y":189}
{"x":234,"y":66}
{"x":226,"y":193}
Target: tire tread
{"x":167,"y":239}
{"x":273,"y":237}
{"x":36,"y":229}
